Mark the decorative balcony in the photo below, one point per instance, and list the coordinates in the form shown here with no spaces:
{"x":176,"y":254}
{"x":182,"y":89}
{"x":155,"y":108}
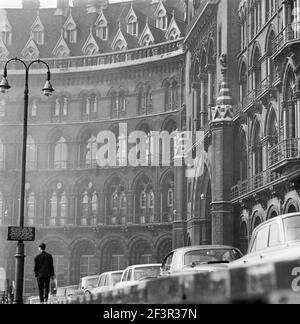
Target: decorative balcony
{"x":285,"y":155}
{"x":257,"y":94}
{"x":109,"y":60}
{"x":289,"y":35}
{"x":255,"y":184}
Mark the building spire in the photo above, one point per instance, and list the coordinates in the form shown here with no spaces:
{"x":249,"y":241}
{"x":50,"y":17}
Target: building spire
{"x":223,"y":109}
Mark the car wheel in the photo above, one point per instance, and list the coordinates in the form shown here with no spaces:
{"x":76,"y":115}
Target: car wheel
{"x":88,"y":293}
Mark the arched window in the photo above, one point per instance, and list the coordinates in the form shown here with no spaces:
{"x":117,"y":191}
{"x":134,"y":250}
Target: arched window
{"x":243,"y":157}
{"x":61,"y":154}
{"x":145,"y":100}
{"x":273,"y":130}
{"x":91,"y":152}
{"x":132,"y":27}
{"x":151,"y":199}
{"x":53,"y":209}
{"x":31,"y":154}
{"x":102,"y":30}
{"x":243,"y":83}
{"x":63,"y":208}
{"x":120,"y":45}
{"x":161,"y":21}
{"x":88,"y":206}
{"x":257,"y":222}
{"x":256,"y":69}
{"x":270,"y":62}
{"x":257,"y":150}
{"x":173,"y":34}
{"x":170,"y":198}
{"x":147,"y":41}
{"x":38,"y":34}
{"x":71,"y":33}
{"x":244,"y":237}
{"x":123,"y":200}
{"x":115,"y":200}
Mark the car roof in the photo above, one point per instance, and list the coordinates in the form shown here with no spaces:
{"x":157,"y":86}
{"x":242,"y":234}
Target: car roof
{"x":112,"y":272}
{"x":90,"y":277}
{"x":277,"y":218}
{"x":203,"y":247}
{"x":143,"y":265}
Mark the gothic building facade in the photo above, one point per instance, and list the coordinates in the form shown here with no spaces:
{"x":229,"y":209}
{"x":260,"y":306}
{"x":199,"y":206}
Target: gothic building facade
{"x":227,"y":68}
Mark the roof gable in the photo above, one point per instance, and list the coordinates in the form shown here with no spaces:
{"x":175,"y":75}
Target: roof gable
{"x":146,"y":32}
{"x":61,"y":47}
{"x":4,"y":22}
{"x":30,"y":50}
{"x":101,"y":18}
{"x":37,"y":24}
{"x":160,"y":7}
{"x":173,"y":27}
{"x":90,"y":44}
{"x":118,"y":38}
{"x":69,"y":23}
{"x":131,"y":13}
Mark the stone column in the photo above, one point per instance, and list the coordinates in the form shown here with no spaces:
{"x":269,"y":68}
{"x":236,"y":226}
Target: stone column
{"x":203,"y":107}
{"x":222,"y":130}
{"x":102,"y":200}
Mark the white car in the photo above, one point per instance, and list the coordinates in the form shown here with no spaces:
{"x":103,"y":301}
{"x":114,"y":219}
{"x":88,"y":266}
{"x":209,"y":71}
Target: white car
{"x":107,"y":281}
{"x":135,"y":274}
{"x":275,"y":240}
{"x":86,"y":284}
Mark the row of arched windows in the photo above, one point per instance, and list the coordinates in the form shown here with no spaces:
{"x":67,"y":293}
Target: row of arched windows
{"x":93,"y":208}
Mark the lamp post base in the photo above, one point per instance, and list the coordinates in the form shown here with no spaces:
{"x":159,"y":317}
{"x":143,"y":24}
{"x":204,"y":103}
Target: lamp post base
{"x":19,"y":275}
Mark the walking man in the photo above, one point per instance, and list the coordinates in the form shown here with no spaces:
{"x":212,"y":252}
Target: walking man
{"x":44,"y":271}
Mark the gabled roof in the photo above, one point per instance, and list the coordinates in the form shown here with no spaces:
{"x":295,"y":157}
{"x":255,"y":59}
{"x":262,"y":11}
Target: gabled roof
{"x":174,"y":24}
{"x":61,"y":43}
{"x":70,"y":20}
{"x":4,"y":22}
{"x":90,"y":40}
{"x":37,"y":22}
{"x":31,"y":44}
{"x":100,"y":18}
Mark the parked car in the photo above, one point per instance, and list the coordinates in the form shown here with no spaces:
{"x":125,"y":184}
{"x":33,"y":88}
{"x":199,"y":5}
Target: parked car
{"x":86,"y":284}
{"x":275,"y":240}
{"x":62,"y":293}
{"x":135,"y":274}
{"x":202,"y":258}
{"x":107,"y":281}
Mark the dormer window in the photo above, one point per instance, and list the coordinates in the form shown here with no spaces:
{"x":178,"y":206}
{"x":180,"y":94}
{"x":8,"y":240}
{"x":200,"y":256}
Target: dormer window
{"x":147,"y":41}
{"x":38,"y":34}
{"x":102,"y":30}
{"x":173,"y":34}
{"x":161,"y":21}
{"x":71,"y":33}
{"x":6,"y":37}
{"x":120,"y":46}
{"x":132,"y":27}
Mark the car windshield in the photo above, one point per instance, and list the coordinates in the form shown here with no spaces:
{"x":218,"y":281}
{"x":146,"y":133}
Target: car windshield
{"x":292,"y":228}
{"x":116,"y":277}
{"x":146,"y":272}
{"x":203,"y":256}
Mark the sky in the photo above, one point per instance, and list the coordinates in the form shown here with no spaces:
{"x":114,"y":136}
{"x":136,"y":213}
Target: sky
{"x":44,"y":3}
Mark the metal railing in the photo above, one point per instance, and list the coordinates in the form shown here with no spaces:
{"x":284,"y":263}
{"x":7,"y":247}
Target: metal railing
{"x":253,"y":184}
{"x":288,"y":149}
{"x":289,"y":33}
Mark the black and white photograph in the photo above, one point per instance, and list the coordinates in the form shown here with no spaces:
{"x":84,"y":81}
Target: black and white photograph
{"x":149,"y":155}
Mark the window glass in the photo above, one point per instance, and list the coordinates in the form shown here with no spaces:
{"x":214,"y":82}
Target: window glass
{"x":262,"y":239}
{"x":292,"y":228}
{"x":275,"y":236}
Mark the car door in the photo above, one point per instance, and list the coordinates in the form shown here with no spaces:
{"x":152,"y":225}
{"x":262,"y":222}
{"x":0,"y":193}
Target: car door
{"x":258,"y":247}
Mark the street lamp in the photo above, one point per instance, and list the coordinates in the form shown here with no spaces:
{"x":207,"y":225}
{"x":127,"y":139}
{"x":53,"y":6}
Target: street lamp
{"x":47,"y":90}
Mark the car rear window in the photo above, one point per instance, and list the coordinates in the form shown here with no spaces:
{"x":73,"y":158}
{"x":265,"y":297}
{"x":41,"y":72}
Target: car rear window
{"x":116,"y":277}
{"x":91,"y":282}
{"x":210,"y":255}
{"x":292,"y":228}
{"x":146,"y":272}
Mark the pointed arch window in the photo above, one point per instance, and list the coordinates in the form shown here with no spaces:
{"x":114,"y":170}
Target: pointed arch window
{"x":61,"y":52}
{"x":91,"y":49}
{"x":115,"y":200}
{"x":102,"y":30}
{"x":123,"y":200}
{"x":257,"y":151}
{"x":145,"y":100}
{"x":38,"y":34}
{"x":91,"y":152}
{"x":256,"y":70}
{"x":71,"y":33}
{"x":173,"y":34}
{"x":94,"y":203}
{"x":171,"y":95}
{"x":84,"y":208}
{"x":161,"y":21}
{"x":61,"y":154}
{"x":31,"y":155}
{"x":6,"y":34}
{"x":120,"y":45}
{"x":89,"y":206}
{"x":147,"y":41}
{"x":58,"y":207}
{"x":132,"y":27}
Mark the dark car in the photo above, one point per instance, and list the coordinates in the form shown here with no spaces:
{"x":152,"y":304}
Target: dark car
{"x":202,"y":258}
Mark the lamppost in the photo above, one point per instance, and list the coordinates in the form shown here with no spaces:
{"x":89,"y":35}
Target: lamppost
{"x":47,"y":90}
